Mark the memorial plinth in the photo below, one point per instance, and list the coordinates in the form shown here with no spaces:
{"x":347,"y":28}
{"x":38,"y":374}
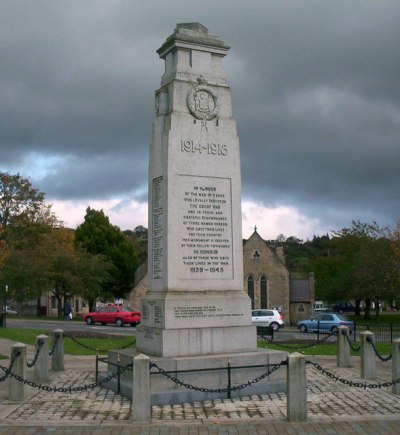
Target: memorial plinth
{"x":196,"y":304}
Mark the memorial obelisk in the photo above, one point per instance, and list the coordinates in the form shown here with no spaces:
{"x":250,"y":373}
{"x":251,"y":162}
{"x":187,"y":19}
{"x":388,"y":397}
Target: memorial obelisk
{"x":196,"y":304}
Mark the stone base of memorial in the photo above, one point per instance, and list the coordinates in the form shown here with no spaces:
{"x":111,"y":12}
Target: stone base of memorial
{"x":214,"y":375}
{"x":197,"y":323}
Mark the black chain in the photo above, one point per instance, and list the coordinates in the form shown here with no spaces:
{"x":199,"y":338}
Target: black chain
{"x":54,"y":344}
{"x":352,"y":346}
{"x":55,"y":389}
{"x":216,"y":390}
{"x":364,"y":385}
{"x":122,"y":369}
{"x":39,"y":345}
{"x":15,"y":354}
{"x":305,"y":346}
{"x":127,"y":367}
{"x":98,"y":350}
{"x":381,"y":357}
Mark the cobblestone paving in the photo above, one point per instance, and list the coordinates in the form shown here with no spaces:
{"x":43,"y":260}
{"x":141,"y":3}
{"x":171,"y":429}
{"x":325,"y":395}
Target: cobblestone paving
{"x":333,"y":408}
{"x":94,"y":404}
{"x":326,"y":399}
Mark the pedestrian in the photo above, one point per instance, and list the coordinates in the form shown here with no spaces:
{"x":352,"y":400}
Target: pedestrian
{"x":67,"y":311}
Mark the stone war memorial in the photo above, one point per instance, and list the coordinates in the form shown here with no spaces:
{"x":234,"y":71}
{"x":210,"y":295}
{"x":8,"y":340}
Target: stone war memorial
{"x":196,"y":314}
{"x":196,"y":304}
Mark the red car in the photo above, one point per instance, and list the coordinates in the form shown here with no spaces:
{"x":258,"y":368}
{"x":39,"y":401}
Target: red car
{"x":113,"y":314}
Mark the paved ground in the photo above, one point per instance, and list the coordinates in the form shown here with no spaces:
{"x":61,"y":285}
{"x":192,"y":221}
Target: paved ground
{"x":333,"y":408}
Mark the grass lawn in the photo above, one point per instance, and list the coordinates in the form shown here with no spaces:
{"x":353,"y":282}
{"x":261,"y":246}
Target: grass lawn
{"x":103,"y":343}
{"x":321,"y":349}
{"x":382,"y":319}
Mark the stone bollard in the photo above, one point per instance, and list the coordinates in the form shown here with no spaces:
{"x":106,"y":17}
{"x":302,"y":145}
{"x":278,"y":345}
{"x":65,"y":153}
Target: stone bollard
{"x":41,"y":367}
{"x":368,"y":360}
{"x":141,"y":402}
{"x":396,"y":365}
{"x":17,"y":388}
{"x":57,"y":357}
{"x":343,"y":347}
{"x":296,"y":407}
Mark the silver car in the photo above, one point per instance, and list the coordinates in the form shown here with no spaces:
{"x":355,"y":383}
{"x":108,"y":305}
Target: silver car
{"x":324,"y":322}
{"x":267,"y":317}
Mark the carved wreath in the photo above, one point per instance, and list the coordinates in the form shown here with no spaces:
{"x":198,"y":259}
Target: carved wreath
{"x":203,"y":102}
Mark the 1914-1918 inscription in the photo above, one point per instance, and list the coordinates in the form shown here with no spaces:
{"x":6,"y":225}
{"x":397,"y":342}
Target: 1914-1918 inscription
{"x":206,"y":216}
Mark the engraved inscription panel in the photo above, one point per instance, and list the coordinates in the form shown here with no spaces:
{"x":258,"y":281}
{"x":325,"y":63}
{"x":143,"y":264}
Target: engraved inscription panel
{"x":206,"y":221}
{"x":157,"y":228}
{"x":203,"y":311}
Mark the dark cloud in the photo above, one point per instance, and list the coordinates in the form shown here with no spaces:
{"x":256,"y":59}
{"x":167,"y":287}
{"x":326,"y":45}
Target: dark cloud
{"x":315,"y":86}
{"x":97,"y":176}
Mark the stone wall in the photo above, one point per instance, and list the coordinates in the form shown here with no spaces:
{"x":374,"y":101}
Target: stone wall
{"x":300,"y":311}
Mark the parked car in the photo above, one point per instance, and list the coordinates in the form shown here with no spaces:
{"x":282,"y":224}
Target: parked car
{"x":266,"y":317}
{"x":324,"y":322}
{"x":113,"y":314}
{"x":343,"y":307}
{"x":9,"y":310}
{"x":319,"y":307}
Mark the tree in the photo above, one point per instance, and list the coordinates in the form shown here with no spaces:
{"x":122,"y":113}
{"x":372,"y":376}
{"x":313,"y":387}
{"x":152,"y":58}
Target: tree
{"x":392,"y":273}
{"x":94,"y":272}
{"x":19,"y":201}
{"x":25,"y":219}
{"x":37,"y":254}
{"x":97,"y":235}
{"x":357,"y":265}
{"x":280,"y":239}
{"x":29,"y":267}
{"x":3,"y":247}
{"x":24,"y":271}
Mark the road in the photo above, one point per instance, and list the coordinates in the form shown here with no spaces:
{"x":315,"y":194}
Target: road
{"x":65,"y":325}
{"x":287,"y":333}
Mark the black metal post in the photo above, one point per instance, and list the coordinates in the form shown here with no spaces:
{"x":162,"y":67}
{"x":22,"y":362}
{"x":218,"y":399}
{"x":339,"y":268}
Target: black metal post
{"x":118,"y":376}
{"x":229,"y":378}
{"x":97,"y":367}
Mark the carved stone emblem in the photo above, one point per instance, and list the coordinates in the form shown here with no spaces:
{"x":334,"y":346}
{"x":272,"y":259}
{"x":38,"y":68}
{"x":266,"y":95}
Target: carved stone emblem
{"x":202,"y":101}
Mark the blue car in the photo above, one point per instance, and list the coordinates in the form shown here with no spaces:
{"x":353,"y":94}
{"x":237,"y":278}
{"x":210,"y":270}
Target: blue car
{"x":324,"y":322}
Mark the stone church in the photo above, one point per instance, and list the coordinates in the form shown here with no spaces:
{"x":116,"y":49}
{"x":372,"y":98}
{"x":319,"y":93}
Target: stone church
{"x":266,"y":277}
{"x":266,"y":280}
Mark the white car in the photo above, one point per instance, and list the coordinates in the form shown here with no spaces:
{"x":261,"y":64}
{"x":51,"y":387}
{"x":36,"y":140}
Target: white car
{"x":8,"y":310}
{"x":267,"y":317}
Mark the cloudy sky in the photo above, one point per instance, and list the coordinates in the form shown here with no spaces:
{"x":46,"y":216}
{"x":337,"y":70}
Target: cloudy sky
{"x":316,"y":98}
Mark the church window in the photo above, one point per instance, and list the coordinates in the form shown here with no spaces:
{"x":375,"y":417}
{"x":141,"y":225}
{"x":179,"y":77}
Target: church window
{"x":256,"y":254}
{"x":264,"y":291}
{"x":250,"y":289}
